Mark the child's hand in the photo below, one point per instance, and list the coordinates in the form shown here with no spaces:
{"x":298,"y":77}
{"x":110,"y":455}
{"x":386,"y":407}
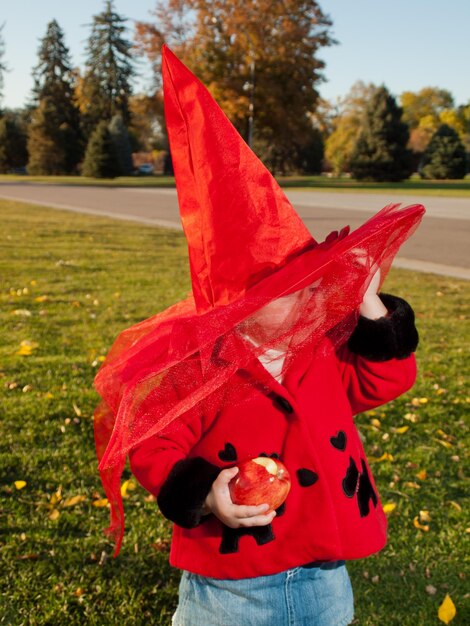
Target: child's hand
{"x":372,"y":306}
{"x":233,"y":515}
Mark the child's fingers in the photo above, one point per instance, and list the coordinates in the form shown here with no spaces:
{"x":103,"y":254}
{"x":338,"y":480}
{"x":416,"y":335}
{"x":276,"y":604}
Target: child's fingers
{"x":245,"y":511}
{"x":226,"y":476}
{"x":257,"y":520}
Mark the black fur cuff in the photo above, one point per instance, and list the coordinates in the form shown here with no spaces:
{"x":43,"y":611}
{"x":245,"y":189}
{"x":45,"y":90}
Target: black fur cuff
{"x":393,"y":336}
{"x":182,"y":496}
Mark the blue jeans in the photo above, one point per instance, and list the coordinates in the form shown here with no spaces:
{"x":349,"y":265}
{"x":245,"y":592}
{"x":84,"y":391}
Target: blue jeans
{"x":303,"y":596}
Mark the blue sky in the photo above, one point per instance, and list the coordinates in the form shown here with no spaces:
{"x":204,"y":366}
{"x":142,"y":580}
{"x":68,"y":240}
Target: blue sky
{"x":404,"y":44}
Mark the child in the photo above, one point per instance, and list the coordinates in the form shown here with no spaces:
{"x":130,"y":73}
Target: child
{"x":283,"y":341}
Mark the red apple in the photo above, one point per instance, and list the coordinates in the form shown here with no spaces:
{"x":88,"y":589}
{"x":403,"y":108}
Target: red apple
{"x":260,"y":481}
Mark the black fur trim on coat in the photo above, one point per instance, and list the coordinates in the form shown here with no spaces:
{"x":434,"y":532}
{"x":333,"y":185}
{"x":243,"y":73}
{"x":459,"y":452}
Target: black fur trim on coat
{"x":389,"y":337}
{"x":181,"y":498}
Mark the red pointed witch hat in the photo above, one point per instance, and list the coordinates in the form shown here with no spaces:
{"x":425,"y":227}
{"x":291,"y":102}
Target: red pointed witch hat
{"x":247,"y":247}
{"x":238,"y":223}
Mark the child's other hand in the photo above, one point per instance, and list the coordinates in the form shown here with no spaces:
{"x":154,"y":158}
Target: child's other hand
{"x":233,"y":515}
{"x":372,"y":306}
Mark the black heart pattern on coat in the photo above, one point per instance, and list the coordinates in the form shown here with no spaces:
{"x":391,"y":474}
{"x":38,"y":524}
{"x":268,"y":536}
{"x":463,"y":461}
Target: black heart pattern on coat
{"x":306,"y":477}
{"x":351,"y":480}
{"x":359,"y":484}
{"x":339,"y":441}
{"x":228,"y":454}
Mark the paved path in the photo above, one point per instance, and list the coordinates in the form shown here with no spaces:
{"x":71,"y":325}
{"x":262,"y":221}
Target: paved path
{"x":441,"y":244}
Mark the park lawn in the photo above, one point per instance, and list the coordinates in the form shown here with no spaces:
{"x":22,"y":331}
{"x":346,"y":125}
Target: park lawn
{"x":71,"y":283}
{"x":413,"y":186}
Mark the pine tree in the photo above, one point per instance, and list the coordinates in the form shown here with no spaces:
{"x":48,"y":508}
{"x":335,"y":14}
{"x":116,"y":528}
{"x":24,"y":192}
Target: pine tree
{"x":13,"y":153}
{"x":309,"y":158}
{"x":109,"y":69}
{"x":122,"y":145}
{"x":101,"y":160}
{"x":380,"y":153}
{"x":46,"y":141}
{"x":54,"y":82}
{"x":445,"y":157}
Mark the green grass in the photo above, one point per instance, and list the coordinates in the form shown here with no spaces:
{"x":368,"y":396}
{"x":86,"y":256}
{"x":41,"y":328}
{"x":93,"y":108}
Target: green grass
{"x":101,"y":276}
{"x":413,"y":186}
{"x":448,"y":188}
{"x":121,"y":181}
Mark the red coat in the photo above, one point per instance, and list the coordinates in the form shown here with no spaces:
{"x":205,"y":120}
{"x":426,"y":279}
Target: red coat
{"x":332,"y":511}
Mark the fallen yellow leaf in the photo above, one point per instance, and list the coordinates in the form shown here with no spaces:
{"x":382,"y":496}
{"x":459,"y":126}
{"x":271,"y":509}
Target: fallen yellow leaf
{"x":26,"y":347}
{"x":73,"y":500}
{"x":56,"y":497}
{"x":375,"y":422}
{"x":386,"y":456}
{"x":455,"y":505}
{"x":443,"y":443}
{"x":423,"y":527}
{"x":424,"y":516}
{"x":22,"y":312}
{"x":442,"y":434}
{"x":447,"y":610}
{"x":101,"y":503}
{"x":77,"y":410}
{"x":422,"y":475}
{"x":401,"y":430}
{"x":412,"y":485}
{"x":411,"y":417}
{"x":48,"y":395}
{"x":19,"y":484}
{"x":41,"y":298}
{"x":127,"y":485}
{"x":389,"y":507}
{"x":54,"y":514}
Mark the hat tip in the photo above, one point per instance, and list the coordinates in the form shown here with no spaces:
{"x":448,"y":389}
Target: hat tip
{"x":166,"y":52}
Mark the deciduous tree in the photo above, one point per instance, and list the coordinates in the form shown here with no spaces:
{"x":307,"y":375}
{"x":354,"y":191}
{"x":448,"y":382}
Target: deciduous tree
{"x":259,"y":59}
{"x":347,"y":126}
{"x":147,"y":122}
{"x":424,"y":111}
{"x":429,"y":101}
